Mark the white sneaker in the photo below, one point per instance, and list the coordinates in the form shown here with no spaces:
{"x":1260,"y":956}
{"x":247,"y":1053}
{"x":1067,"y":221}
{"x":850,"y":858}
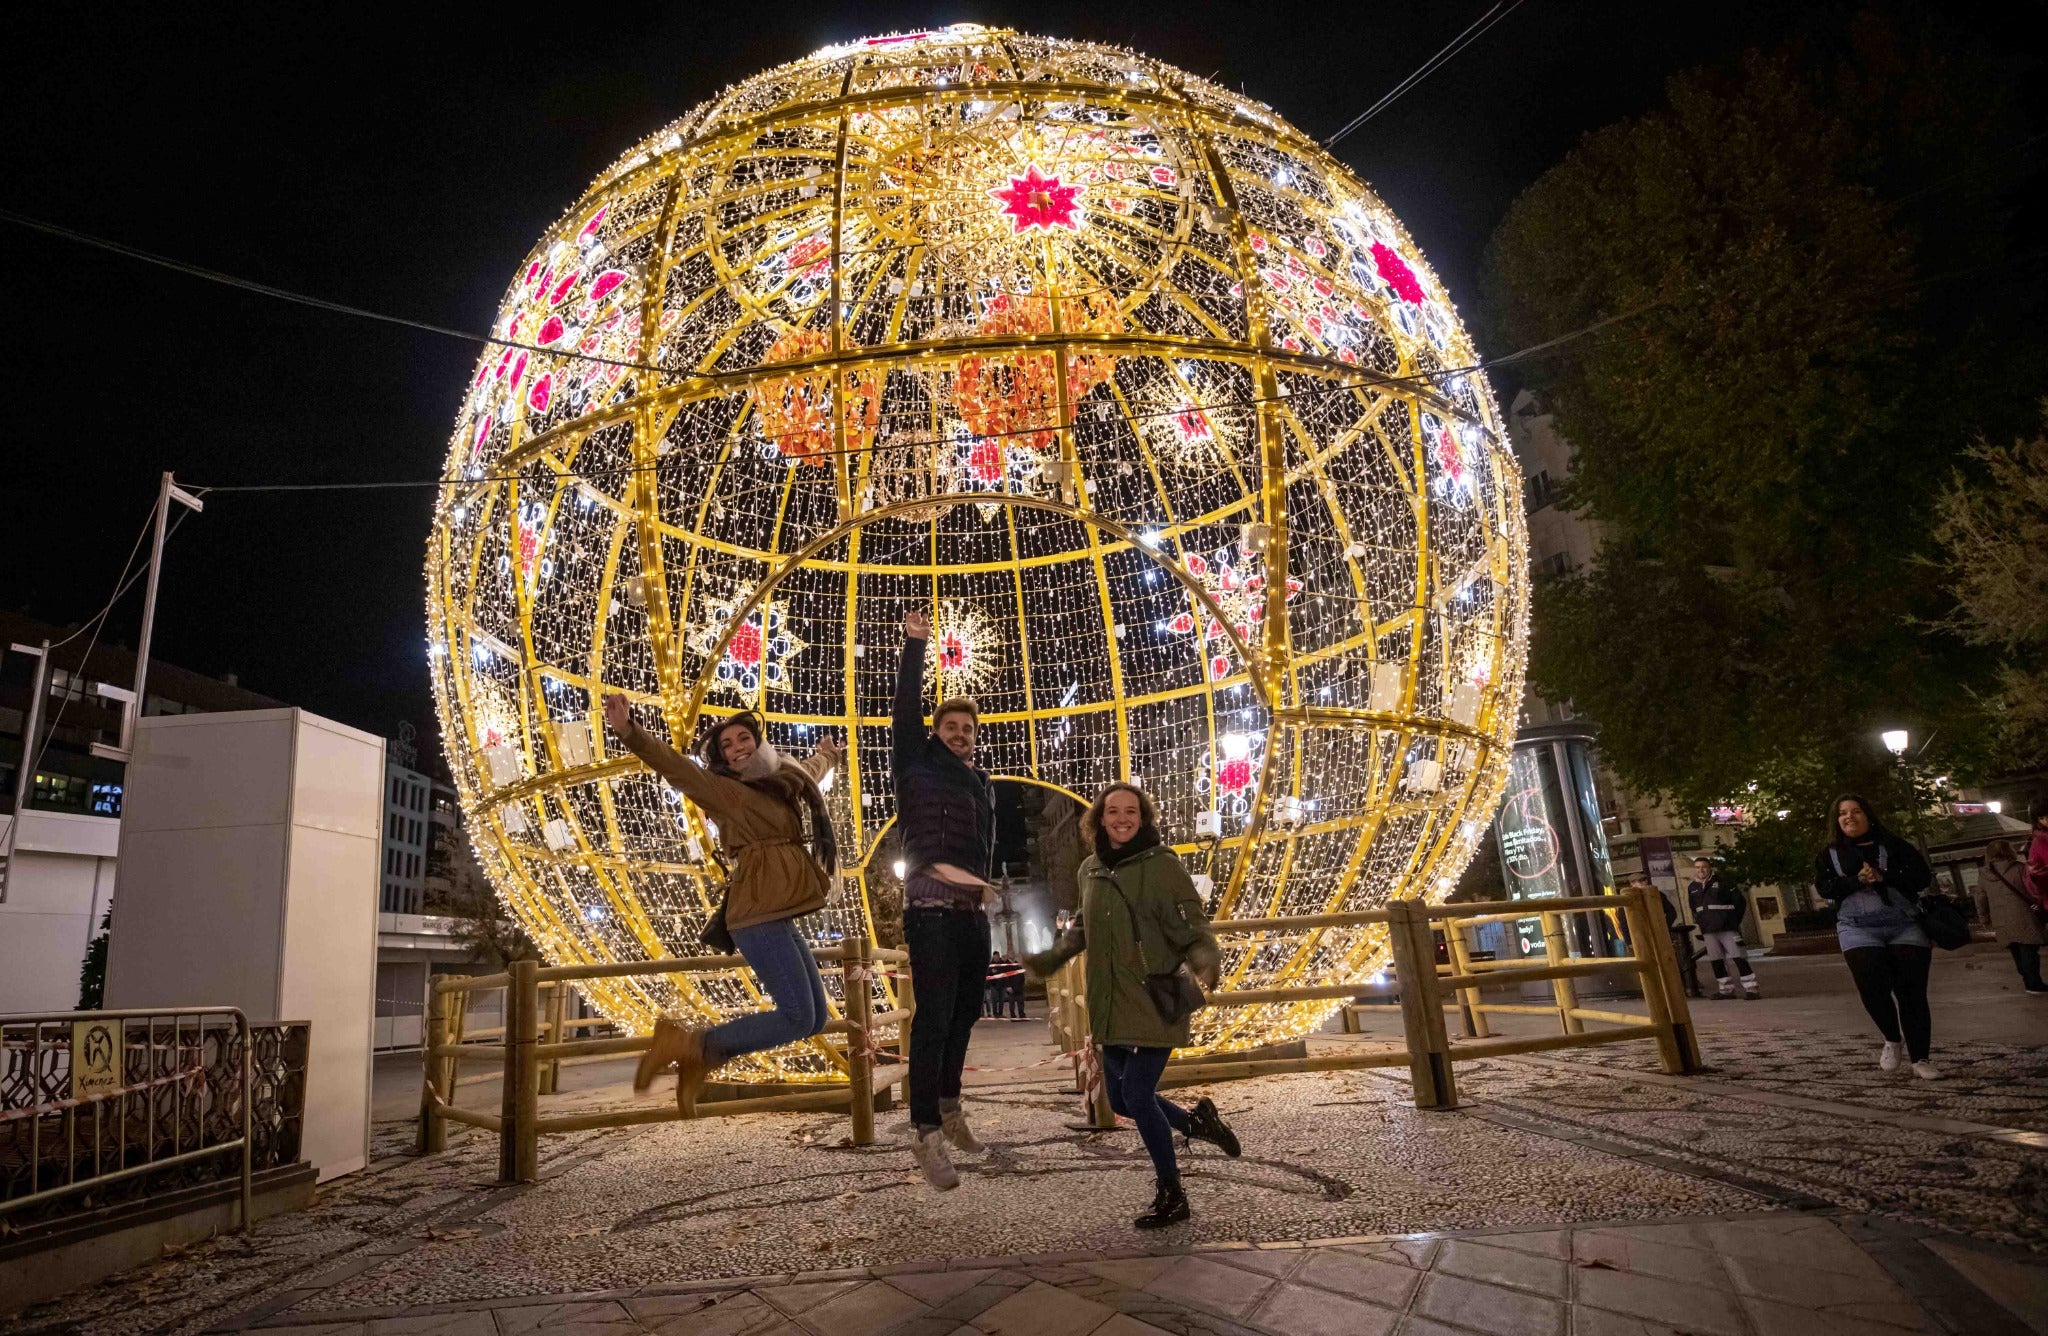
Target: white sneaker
{"x":929,"y":1149}
{"x":1926,"y":1071}
{"x":1889,"y":1057}
{"x":953,"y":1126}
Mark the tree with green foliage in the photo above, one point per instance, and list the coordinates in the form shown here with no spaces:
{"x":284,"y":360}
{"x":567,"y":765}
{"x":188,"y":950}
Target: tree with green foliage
{"x":1993,"y":531}
{"x":1825,"y":310}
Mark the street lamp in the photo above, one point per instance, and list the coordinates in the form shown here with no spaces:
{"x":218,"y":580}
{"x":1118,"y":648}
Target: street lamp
{"x":1895,"y":742}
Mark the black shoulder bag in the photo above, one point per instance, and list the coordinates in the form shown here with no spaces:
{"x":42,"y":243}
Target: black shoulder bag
{"x":1175,"y":995}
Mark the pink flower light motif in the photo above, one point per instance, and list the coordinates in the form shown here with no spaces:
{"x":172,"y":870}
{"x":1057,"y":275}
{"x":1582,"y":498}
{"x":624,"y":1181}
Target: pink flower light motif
{"x":1396,"y":272}
{"x":1234,"y":776}
{"x":1037,"y":200}
{"x":810,"y":258}
{"x":564,"y":287}
{"x":543,"y":390}
{"x":596,"y":221}
{"x":606,"y":281}
{"x":1450,"y":458}
{"x":551,"y":332}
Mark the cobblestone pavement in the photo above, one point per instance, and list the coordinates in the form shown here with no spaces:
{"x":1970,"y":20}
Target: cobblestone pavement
{"x":1740,"y":1202}
{"x":2005,"y":1084}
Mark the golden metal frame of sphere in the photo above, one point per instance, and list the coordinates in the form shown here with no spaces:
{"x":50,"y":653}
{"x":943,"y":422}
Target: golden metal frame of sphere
{"x":1066,"y":343}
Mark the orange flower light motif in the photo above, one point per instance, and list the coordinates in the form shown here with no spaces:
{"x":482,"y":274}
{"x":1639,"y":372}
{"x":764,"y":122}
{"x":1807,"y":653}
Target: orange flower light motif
{"x":1037,"y":200}
{"x":796,"y":411}
{"x":1015,"y":396}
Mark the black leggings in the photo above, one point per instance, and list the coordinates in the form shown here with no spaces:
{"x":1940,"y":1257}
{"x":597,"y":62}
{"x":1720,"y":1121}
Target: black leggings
{"x":1892,"y":981}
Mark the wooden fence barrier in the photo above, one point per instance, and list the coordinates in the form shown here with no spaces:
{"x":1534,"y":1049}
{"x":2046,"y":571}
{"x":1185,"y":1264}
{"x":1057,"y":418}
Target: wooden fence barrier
{"x":1427,"y":988}
{"x":531,"y":1065}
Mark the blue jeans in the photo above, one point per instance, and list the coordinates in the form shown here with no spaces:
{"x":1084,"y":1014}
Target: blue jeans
{"x":1867,"y":919}
{"x":1132,"y":1077}
{"x":781,"y":960}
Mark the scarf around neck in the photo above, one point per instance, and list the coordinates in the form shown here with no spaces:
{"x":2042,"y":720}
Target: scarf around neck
{"x":1113,"y":855}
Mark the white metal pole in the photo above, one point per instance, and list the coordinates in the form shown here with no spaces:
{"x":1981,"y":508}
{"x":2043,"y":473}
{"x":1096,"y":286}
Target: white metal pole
{"x":24,"y":774}
{"x":167,"y":492}
{"x":156,"y":563}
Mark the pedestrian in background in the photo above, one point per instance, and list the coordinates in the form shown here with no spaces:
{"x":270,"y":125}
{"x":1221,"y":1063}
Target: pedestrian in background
{"x":1681,"y":938}
{"x":2015,"y":917}
{"x":1718,"y":908}
{"x":1874,"y":880}
{"x":1141,"y":920}
{"x":2037,"y":853}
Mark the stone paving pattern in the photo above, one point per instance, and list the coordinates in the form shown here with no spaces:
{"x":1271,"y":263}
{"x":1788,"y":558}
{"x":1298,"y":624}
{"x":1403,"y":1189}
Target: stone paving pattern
{"x":770,"y":1224}
{"x":2004,"y":1084}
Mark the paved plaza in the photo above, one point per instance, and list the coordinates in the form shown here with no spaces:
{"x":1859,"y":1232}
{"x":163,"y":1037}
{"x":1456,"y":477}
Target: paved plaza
{"x":1795,"y":1188}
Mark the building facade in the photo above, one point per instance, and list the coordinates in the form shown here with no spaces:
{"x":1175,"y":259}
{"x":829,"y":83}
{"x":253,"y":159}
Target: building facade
{"x":59,"y":884}
{"x":407,"y":826}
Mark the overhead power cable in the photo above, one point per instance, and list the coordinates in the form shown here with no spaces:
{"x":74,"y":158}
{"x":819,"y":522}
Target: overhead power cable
{"x":1501,"y":10}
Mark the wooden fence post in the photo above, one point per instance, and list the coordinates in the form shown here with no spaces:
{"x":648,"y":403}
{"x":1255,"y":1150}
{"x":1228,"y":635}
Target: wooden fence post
{"x":1089,"y":1077}
{"x":854,"y":967}
{"x":1422,"y":1013}
{"x":1468,"y":998}
{"x":1560,"y":989}
{"x":1645,"y":926}
{"x":518,"y":1138}
{"x":1675,"y":1004}
{"x":557,"y":1031}
{"x":433,"y":1136}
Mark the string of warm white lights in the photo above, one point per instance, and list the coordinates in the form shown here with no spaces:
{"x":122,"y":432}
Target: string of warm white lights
{"x":1156,"y":408}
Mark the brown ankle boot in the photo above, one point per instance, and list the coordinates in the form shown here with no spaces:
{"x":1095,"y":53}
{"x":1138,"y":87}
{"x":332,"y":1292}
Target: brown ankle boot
{"x":693,"y":1063}
{"x":662,"y":1052}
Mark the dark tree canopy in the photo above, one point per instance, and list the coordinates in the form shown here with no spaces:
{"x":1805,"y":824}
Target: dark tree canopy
{"x":1832,"y":310}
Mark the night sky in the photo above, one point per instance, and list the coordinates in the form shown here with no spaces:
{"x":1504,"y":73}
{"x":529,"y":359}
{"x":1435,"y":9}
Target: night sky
{"x":404,"y":160}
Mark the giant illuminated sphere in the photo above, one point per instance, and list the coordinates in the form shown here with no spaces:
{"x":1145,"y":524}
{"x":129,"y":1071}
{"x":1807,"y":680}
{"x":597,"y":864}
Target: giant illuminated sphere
{"x":1153,"y":401}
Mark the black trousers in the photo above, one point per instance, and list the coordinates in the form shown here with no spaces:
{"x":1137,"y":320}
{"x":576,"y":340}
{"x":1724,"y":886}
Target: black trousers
{"x":2027,"y":957}
{"x":949,"y":969}
{"x":1892,"y":981}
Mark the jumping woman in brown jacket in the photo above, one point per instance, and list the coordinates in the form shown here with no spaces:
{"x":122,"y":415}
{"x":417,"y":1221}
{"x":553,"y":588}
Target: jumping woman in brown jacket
{"x":767,"y":809}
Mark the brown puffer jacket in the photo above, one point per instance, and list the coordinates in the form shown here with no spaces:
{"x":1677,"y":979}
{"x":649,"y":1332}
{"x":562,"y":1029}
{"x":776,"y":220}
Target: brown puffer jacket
{"x":773,"y":876}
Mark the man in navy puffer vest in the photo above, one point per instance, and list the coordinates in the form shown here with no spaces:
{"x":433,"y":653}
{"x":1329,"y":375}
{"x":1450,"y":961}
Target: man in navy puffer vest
{"x":946,"y":827}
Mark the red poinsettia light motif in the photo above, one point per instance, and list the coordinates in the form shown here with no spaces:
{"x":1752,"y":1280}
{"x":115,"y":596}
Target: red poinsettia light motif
{"x":1396,"y":272}
{"x":745,"y":648}
{"x":1037,"y":200}
{"x":986,"y":460}
{"x":1234,"y":776}
{"x":953,"y":652}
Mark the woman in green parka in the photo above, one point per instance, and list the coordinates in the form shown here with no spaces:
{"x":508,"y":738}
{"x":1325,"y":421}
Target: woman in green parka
{"x":1140,"y":915}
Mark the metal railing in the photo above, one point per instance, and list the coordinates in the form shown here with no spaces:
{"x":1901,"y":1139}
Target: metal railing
{"x":531,"y":1065}
{"x":157,"y":1098}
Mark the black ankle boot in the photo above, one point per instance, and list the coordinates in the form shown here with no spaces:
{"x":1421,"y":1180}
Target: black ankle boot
{"x":1205,"y":1124}
{"x":1169,"y":1207}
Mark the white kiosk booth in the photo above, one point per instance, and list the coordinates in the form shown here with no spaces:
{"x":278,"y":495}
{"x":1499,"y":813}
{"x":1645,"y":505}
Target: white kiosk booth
{"x":248,"y":857}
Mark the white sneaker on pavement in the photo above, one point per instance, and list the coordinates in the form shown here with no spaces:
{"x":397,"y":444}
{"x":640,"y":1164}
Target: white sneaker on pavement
{"x":1926,"y":1071}
{"x":953,"y":1125}
{"x":929,"y":1149}
{"x":1889,"y":1057}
